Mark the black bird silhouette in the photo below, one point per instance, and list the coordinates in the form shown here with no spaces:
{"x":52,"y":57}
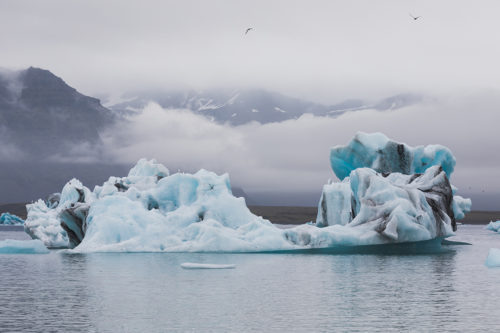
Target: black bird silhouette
{"x":415,"y":17}
{"x":248,"y":29}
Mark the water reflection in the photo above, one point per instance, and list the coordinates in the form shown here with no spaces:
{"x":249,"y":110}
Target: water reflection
{"x":147,"y":292}
{"x":43,"y":293}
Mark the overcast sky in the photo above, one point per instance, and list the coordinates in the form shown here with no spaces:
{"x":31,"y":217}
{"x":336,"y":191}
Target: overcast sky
{"x":326,"y":51}
{"x":294,"y":155}
{"x":322,"y":50}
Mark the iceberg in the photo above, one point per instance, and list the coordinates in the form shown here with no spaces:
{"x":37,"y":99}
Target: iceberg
{"x":401,"y":208}
{"x":150,"y":210}
{"x":153,"y":211}
{"x":10,"y":246}
{"x":10,"y":219}
{"x":493,"y":259}
{"x":392,"y":194}
{"x":376,"y":151}
{"x":384,"y":181}
{"x":44,"y":217}
{"x":494,"y":226}
{"x":193,"y":265}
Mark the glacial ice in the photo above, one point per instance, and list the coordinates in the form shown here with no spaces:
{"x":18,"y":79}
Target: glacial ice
{"x":493,"y":259}
{"x":494,"y":226}
{"x":153,"y":211}
{"x":376,"y":151}
{"x":398,"y":207}
{"x":43,"y":221}
{"x":193,"y":265}
{"x":387,"y":183}
{"x":10,"y":219}
{"x":10,"y":246}
{"x":461,"y":206}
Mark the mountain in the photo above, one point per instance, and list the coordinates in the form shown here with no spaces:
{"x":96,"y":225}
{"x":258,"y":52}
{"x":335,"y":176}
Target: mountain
{"x":242,"y":106}
{"x":40,"y":117}
{"x":40,"y":114}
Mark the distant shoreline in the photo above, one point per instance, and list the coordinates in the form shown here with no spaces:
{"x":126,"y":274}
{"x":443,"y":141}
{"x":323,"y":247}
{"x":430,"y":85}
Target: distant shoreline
{"x":287,"y":214}
{"x":299,"y":215}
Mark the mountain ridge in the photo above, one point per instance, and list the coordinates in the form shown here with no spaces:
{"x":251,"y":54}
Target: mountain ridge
{"x":238,"y":107}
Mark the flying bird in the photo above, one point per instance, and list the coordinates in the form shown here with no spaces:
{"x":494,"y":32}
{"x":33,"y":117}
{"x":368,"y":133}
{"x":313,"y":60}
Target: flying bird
{"x":248,"y":29}
{"x":415,"y":17}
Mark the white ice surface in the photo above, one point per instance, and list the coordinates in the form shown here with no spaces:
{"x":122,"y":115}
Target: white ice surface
{"x":152,"y":211}
{"x":10,"y":246}
{"x":493,"y":259}
{"x":392,"y":205}
{"x":494,"y":226}
{"x":376,"y":151}
{"x":192,"y":265}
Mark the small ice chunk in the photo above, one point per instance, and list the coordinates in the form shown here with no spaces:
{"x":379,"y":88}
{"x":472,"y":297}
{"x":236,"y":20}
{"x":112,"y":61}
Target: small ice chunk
{"x":493,"y":259}
{"x":494,"y":226}
{"x":10,"y":246}
{"x":10,"y":219}
{"x":194,"y":265}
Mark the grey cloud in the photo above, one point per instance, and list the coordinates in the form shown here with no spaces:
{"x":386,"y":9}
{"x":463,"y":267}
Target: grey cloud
{"x":324,"y":50}
{"x":294,"y":155}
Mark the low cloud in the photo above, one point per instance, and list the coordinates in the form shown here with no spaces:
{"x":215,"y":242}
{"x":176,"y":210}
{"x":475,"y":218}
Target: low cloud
{"x":294,"y":155}
{"x":9,"y":151}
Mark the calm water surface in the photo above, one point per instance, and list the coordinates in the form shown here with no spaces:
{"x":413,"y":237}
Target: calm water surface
{"x":58,"y":292}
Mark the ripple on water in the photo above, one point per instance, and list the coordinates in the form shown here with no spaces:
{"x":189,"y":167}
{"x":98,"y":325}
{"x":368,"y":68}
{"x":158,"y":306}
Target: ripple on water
{"x":145,"y":292}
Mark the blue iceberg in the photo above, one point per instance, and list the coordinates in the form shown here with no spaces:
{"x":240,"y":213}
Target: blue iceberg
{"x":388,"y":184}
{"x":494,"y":226}
{"x":10,"y":219}
{"x":151,"y":210}
{"x":376,"y":151}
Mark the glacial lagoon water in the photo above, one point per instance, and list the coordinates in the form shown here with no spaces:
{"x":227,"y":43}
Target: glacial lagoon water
{"x":451,"y":290}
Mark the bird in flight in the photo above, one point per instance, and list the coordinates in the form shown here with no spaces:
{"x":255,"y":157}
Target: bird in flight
{"x":248,"y":29}
{"x":415,"y":17}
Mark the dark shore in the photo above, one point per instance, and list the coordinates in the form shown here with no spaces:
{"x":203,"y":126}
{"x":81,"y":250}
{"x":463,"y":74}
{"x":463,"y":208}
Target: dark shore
{"x":299,"y":215}
{"x":287,"y":214}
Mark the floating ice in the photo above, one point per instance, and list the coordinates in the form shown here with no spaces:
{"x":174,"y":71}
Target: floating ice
{"x":391,"y":161}
{"x":397,"y":207}
{"x":493,"y":259}
{"x":461,"y":206}
{"x":10,"y":246}
{"x":10,"y":219}
{"x":151,"y":211}
{"x":394,"y":194}
{"x":43,"y":221}
{"x":192,"y":265}
{"x":494,"y":226}
{"x":378,"y":152}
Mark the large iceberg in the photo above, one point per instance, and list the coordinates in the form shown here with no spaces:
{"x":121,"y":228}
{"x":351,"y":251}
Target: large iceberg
{"x":153,"y":211}
{"x":403,"y":192}
{"x":10,"y":219}
{"x":399,"y":207}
